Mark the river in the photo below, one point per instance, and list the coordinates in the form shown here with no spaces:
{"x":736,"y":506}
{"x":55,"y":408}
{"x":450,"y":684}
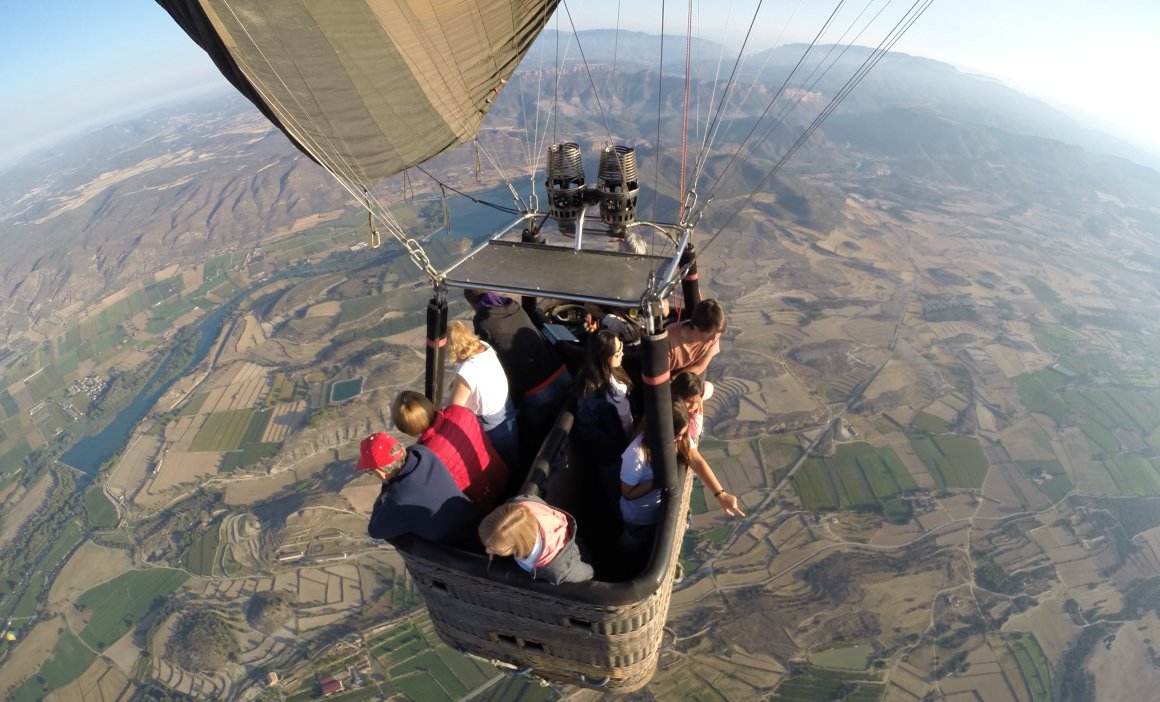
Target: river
{"x":89,"y":453}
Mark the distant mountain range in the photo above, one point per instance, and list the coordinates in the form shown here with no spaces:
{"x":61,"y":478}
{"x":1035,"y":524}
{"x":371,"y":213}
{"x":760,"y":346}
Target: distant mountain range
{"x":83,"y":219}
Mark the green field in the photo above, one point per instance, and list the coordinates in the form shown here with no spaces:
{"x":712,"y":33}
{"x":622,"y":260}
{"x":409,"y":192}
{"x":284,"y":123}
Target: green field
{"x":118,"y":605}
{"x":1033,"y":666}
{"x":1057,"y":487}
{"x":1039,"y":391}
{"x":929,"y":423}
{"x":200,"y":557}
{"x":100,"y":512}
{"x":8,"y":405}
{"x":359,"y":307}
{"x":820,"y":684}
{"x":854,"y":657}
{"x":248,"y":456}
{"x":194,"y":405}
{"x":1101,"y":438}
{"x":282,"y":389}
{"x":857,"y":476}
{"x":954,"y":461}
{"x":225,"y":431}
{"x":26,"y":605}
{"x":1134,"y":475}
{"x":68,"y":661}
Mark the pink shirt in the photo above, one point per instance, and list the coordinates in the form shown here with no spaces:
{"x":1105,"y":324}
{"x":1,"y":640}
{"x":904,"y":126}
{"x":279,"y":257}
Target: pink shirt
{"x":553,"y":530}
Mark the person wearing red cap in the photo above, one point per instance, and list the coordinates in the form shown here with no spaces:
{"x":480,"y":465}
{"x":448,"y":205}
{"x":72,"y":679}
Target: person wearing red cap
{"x":419,"y":496}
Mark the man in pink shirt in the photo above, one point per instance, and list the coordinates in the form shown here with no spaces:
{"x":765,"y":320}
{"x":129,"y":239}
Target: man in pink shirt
{"x":455,"y":437}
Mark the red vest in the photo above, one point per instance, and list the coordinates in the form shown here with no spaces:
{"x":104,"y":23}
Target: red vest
{"x":459,"y":442}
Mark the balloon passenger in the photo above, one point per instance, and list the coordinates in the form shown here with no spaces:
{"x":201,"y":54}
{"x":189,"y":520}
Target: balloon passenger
{"x":604,"y":419}
{"x":540,"y":537}
{"x":455,"y":437}
{"x":640,"y":501}
{"x":537,"y":377}
{"x":688,"y":388}
{"x":695,"y":341}
{"x":418,"y":496}
{"x":481,"y":386}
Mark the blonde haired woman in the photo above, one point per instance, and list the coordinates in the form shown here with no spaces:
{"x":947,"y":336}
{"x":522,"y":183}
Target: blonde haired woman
{"x":541,"y":538}
{"x":481,"y":386}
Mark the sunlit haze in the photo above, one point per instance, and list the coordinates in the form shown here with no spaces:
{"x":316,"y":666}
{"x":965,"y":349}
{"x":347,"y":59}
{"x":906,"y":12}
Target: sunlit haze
{"x":71,"y":66}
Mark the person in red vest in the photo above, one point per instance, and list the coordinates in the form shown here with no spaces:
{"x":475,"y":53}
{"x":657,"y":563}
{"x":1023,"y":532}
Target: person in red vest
{"x":540,"y":537}
{"x":456,"y":438}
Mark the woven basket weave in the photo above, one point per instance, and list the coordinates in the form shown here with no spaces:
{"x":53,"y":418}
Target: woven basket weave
{"x":560,"y":638}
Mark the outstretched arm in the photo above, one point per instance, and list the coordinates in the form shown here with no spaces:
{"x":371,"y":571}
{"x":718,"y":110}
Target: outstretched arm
{"x":701,"y":467}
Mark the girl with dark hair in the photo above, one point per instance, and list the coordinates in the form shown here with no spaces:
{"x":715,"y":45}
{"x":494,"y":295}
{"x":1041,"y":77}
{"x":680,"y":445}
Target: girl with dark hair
{"x":688,"y":389}
{"x":640,"y":501}
{"x":604,"y":419}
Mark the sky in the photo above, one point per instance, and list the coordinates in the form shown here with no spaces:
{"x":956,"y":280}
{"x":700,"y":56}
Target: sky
{"x":72,"y":65}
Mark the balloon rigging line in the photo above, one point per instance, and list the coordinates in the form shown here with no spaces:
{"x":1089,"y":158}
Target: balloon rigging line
{"x":900,"y":28}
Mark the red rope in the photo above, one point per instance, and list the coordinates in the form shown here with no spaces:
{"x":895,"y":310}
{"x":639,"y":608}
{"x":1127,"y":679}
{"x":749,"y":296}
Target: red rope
{"x":685,"y":128}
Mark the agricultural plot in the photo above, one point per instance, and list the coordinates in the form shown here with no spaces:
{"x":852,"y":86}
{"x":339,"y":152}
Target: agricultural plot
{"x":164,"y":314}
{"x":44,"y":383}
{"x":119,"y":604}
{"x":1049,"y":476}
{"x":1033,"y":666}
{"x":202,"y":554}
{"x":100,"y":512}
{"x":954,"y":461}
{"x":1134,"y":475}
{"x":1101,"y":438}
{"x":194,"y":404}
{"x":8,"y":405}
{"x":819,"y":684}
{"x":1039,"y":393}
{"x":855,"y":657}
{"x":929,"y":423}
{"x":359,"y":307}
{"x":68,"y":662}
{"x":421,"y":667}
{"x":227,"y":431}
{"x":249,"y":455}
{"x":858,"y":475}
{"x":282,"y":389}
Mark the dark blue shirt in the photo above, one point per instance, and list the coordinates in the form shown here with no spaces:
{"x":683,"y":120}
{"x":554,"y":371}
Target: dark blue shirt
{"x":422,"y":499}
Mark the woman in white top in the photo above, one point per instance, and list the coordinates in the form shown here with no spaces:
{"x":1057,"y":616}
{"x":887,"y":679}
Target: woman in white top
{"x":481,"y":386}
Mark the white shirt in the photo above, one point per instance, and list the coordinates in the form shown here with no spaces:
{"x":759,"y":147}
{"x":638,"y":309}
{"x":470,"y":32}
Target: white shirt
{"x":529,"y":563}
{"x":634,"y":470}
{"x":487,"y":382}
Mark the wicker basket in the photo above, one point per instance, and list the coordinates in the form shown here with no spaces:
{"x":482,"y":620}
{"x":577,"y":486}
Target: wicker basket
{"x":595,"y":634}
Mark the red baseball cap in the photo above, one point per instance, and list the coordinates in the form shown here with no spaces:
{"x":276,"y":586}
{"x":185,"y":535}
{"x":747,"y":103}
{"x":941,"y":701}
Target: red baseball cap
{"x":378,"y":451}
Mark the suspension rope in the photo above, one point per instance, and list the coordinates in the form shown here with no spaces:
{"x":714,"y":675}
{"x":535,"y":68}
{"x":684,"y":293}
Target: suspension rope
{"x":733,"y":159}
{"x":588,"y":72}
{"x":916,"y":10}
{"x":685,"y":110}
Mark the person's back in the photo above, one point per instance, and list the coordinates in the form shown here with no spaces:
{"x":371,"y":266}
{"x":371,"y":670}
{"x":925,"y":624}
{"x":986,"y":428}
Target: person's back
{"x":540,"y":537}
{"x":694,"y":342}
{"x":418,"y":496}
{"x":456,"y":438}
{"x":525,"y":355}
